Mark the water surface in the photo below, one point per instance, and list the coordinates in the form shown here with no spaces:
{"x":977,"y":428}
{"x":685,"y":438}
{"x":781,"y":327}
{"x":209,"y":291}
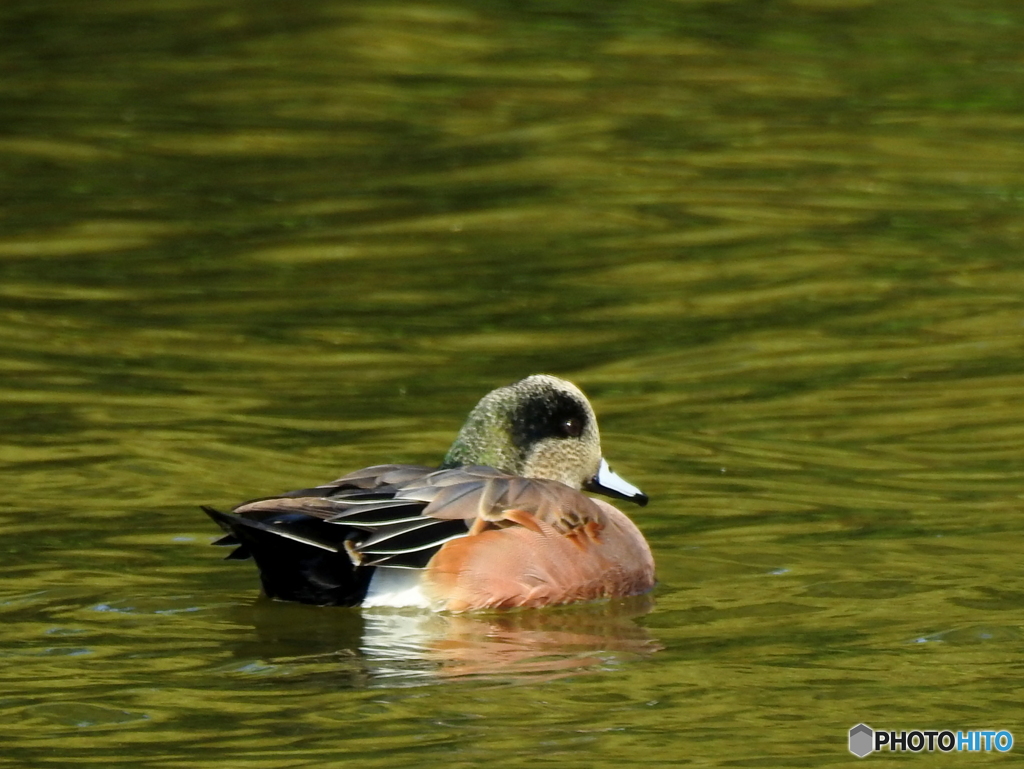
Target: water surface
{"x":246,"y":249}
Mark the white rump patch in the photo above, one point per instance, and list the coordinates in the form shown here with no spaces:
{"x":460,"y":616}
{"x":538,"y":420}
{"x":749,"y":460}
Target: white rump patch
{"x":397,"y":588}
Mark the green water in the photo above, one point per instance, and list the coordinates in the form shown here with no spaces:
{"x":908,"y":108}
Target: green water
{"x":249,"y":247}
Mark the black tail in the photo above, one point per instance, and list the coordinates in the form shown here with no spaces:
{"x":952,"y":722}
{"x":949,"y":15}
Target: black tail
{"x":300,"y":557}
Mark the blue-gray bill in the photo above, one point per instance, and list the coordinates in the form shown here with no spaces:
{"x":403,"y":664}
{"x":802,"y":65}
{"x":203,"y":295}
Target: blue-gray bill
{"x":612,"y":485}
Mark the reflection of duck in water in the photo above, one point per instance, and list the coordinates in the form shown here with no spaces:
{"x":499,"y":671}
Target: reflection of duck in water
{"x":399,"y":647}
{"x":568,"y":640}
{"x":501,"y":524}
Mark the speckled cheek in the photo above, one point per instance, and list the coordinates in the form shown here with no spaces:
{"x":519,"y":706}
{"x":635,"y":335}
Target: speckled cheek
{"x":563,"y":460}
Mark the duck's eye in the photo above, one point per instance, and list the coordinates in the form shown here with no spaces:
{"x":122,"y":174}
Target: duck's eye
{"x":572,"y":427}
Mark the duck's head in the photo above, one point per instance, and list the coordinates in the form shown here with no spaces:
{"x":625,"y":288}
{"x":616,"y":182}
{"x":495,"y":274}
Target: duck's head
{"x":539,"y":427}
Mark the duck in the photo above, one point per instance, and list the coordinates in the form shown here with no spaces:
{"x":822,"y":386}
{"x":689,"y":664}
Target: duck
{"x":502,"y":523}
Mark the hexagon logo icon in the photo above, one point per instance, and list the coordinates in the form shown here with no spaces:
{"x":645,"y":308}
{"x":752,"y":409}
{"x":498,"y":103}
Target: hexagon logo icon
{"x":862,"y":738}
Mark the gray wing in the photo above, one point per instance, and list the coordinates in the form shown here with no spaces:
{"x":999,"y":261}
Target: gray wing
{"x":401,"y":515}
